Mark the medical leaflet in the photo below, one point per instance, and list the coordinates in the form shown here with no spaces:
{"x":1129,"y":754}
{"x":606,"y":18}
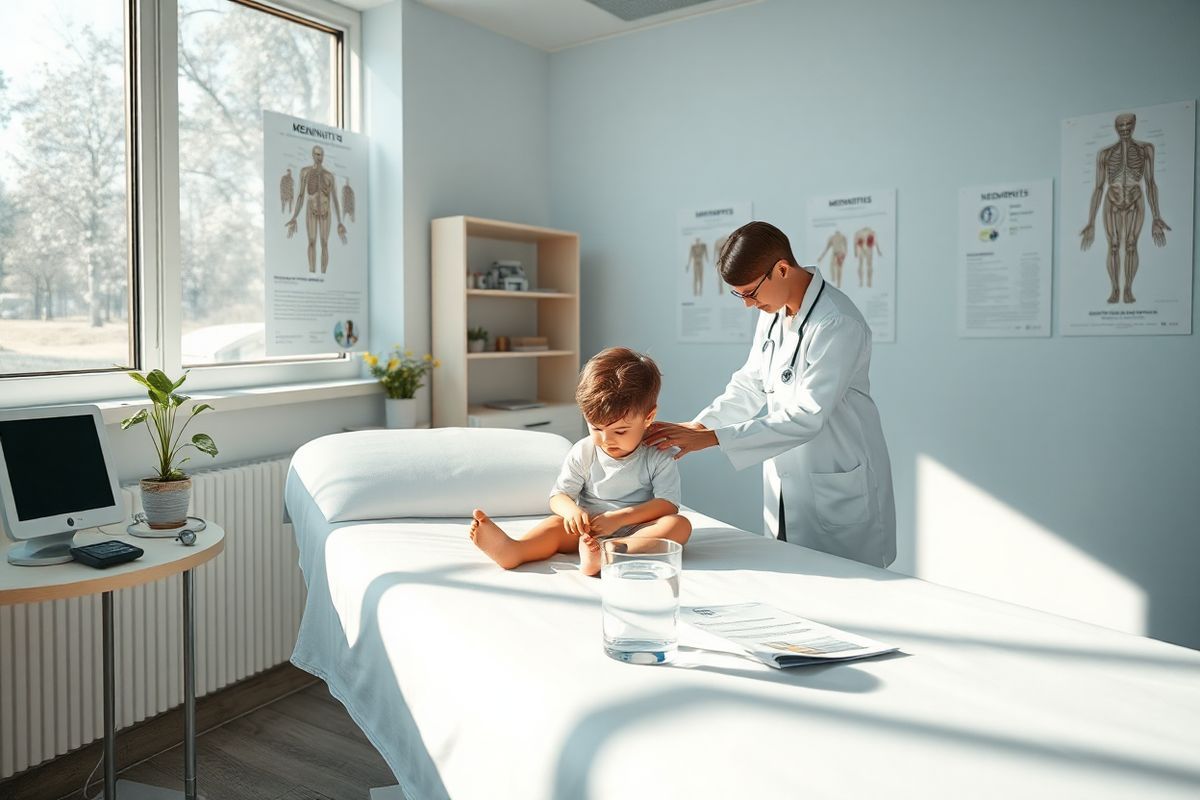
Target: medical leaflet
{"x":779,"y":639}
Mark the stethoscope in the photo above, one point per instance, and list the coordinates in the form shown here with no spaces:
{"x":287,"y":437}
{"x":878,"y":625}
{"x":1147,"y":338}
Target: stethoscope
{"x":788,"y":373}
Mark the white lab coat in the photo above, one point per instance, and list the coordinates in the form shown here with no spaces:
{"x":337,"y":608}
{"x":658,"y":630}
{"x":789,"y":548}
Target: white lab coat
{"x":820,"y":440}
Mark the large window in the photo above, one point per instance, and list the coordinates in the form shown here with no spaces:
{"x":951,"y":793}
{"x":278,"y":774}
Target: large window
{"x":131,"y":188}
{"x":235,"y":61}
{"x":65,"y":277}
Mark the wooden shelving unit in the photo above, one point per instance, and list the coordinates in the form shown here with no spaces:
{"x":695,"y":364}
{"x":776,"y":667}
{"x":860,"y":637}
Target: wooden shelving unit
{"x":523,"y":354}
{"x":465,"y":381}
{"x":520,"y":295}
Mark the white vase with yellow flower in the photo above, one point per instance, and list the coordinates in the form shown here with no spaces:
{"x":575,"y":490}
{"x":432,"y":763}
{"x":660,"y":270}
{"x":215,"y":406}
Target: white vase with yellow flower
{"x":400,"y":377}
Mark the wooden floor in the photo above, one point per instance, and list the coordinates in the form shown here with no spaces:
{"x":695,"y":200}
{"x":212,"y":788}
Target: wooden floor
{"x":301,"y":747}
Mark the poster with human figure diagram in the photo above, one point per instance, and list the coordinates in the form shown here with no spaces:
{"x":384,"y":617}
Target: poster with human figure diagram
{"x":1126,"y":222}
{"x":851,"y":237}
{"x":315,"y":236}
{"x":705,"y":311}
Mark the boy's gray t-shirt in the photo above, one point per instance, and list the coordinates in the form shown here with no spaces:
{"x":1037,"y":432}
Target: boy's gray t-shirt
{"x":598,"y":482}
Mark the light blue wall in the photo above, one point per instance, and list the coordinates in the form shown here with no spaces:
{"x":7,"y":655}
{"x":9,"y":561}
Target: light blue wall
{"x":245,"y":435}
{"x":472,"y":108}
{"x":1096,"y":440}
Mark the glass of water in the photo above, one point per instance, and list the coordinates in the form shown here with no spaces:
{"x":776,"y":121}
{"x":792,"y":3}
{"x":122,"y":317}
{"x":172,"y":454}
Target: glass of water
{"x":639,"y":586}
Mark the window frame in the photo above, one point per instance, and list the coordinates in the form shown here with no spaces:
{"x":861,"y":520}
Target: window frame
{"x":152,"y":102}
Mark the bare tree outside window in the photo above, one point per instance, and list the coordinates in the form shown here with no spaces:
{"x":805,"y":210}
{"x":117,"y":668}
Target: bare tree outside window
{"x":64,"y":205}
{"x":66,"y":281}
{"x":235,"y":62}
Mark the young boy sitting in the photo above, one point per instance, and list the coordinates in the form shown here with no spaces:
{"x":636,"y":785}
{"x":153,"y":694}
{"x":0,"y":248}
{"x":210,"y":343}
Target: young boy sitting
{"x":610,"y":484}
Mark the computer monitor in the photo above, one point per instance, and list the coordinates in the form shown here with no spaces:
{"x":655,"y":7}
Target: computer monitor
{"x":56,"y":477}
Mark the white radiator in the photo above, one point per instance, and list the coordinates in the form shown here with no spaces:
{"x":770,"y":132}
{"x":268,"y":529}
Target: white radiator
{"x":248,"y":605}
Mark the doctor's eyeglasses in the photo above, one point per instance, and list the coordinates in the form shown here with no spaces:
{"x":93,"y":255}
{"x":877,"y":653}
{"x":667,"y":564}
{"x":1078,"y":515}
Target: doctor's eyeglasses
{"x":750,"y":294}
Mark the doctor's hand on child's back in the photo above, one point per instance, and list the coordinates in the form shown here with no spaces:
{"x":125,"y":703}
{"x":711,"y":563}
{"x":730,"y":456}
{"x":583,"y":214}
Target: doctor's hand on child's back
{"x":611,"y":485}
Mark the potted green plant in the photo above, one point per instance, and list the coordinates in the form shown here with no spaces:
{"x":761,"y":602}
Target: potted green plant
{"x":476,"y":339}
{"x":166,"y":495}
{"x":401,"y":376}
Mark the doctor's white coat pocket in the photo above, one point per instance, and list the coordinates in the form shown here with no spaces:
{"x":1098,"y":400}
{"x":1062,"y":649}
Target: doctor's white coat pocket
{"x":840,"y":498}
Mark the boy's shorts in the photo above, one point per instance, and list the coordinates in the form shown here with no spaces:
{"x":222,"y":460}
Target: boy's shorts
{"x":619,"y":532}
{"x":625,"y":531}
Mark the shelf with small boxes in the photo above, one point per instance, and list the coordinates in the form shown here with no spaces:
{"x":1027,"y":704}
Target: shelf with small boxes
{"x":530,"y":335}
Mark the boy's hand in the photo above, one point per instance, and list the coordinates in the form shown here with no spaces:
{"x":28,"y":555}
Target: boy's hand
{"x":577,"y":523}
{"x":604,"y":524}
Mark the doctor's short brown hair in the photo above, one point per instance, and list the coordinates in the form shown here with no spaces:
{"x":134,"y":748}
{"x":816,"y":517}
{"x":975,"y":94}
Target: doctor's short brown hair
{"x":751,"y":250}
{"x":615,"y":382}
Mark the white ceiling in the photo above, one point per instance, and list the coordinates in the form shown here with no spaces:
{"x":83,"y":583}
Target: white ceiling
{"x":555,"y":24}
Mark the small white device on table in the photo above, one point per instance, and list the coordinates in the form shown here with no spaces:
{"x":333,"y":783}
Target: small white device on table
{"x":56,"y":478}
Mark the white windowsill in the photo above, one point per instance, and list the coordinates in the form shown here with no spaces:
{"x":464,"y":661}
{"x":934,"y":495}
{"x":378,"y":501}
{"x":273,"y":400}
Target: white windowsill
{"x":253,"y":397}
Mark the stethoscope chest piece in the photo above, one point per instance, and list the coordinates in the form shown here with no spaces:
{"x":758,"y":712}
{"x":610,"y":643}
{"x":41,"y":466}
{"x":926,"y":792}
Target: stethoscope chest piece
{"x":789,"y":372}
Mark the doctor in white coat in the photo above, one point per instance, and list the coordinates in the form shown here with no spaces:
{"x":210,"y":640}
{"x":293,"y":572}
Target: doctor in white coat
{"x":800,"y":406}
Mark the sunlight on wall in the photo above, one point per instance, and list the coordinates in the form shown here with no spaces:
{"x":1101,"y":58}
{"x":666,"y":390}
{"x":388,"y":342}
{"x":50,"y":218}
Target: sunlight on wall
{"x":968,"y":539}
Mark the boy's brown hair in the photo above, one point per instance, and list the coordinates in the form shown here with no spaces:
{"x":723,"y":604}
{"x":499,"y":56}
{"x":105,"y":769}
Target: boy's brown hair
{"x":615,"y":382}
{"x":751,"y":250}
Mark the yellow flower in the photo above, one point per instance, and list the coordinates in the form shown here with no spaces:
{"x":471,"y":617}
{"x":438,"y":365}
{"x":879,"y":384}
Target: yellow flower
{"x":408,"y":353}
{"x":437,"y":363}
{"x":370,"y":359}
{"x":392,"y":364}
{"x":428,"y":357}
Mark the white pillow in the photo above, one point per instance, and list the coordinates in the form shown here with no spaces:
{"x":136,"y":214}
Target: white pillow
{"x":442,"y":472}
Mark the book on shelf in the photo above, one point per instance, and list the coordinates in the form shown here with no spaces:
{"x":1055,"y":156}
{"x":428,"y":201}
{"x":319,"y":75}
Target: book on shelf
{"x":516,"y":404}
{"x":528,"y":344}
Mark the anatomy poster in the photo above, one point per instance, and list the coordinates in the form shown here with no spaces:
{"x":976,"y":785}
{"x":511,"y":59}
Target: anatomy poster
{"x":706,"y":310}
{"x":1005,"y":246}
{"x":315,"y":236}
{"x":852,"y":238}
{"x":1126,"y":222}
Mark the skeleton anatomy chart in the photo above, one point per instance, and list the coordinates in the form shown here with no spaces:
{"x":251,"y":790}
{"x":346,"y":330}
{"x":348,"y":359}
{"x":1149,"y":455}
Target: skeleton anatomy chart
{"x":316,"y":243}
{"x":861,"y":225}
{"x":706,"y":311}
{"x":1005,"y":240}
{"x":1127,"y":192}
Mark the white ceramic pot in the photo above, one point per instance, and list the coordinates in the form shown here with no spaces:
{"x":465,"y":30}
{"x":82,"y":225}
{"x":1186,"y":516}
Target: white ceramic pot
{"x":401,"y":413}
{"x":166,"y":502}
{"x":476,"y":345}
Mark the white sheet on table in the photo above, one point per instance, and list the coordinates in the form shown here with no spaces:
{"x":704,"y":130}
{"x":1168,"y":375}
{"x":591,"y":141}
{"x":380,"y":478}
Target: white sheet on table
{"x":474,"y":682}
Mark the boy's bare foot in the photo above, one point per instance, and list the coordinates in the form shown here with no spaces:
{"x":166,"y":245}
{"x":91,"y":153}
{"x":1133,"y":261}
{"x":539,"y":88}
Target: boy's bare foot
{"x":488,"y":537}
{"x":589,"y":554}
